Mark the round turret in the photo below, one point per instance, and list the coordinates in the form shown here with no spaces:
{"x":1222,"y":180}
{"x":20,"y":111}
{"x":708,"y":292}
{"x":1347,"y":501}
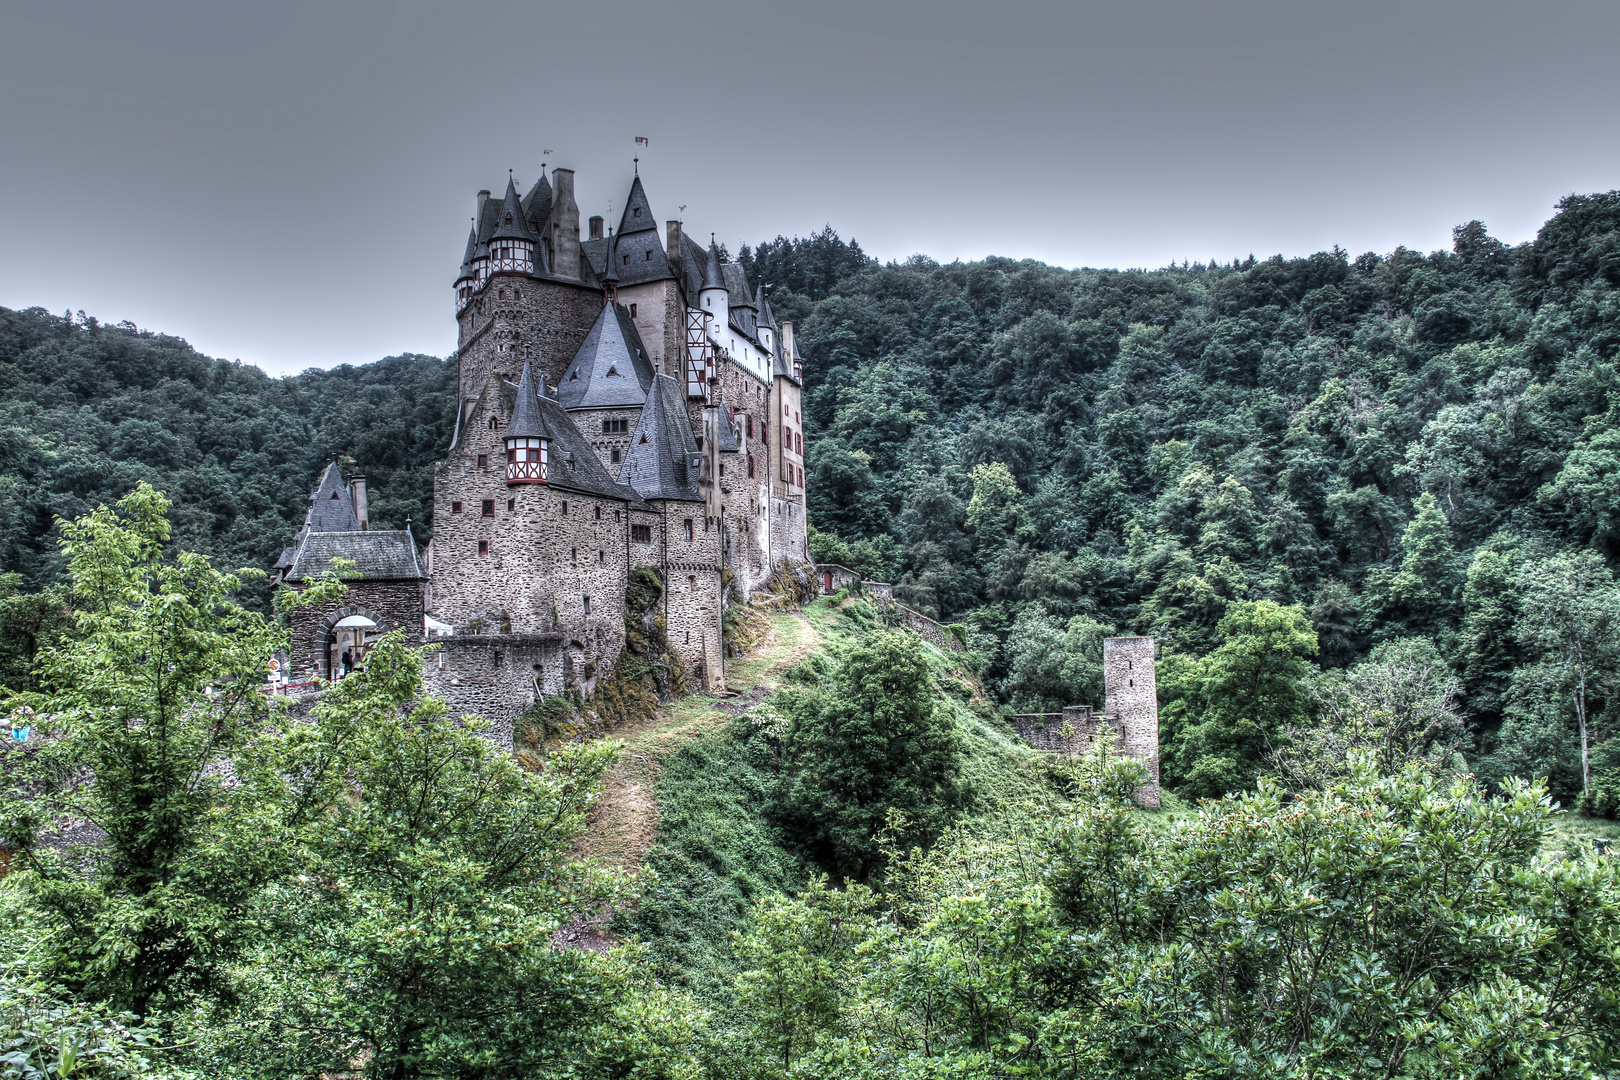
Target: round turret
{"x":528,"y":440}
{"x":511,"y":246}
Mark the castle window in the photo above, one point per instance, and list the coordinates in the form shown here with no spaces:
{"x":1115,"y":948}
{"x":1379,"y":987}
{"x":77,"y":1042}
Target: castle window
{"x":483,"y":547}
{"x":483,"y":461}
{"x":798,"y":442}
{"x":489,"y":508}
{"x":587,"y":605}
{"x":565,"y":507}
{"x":688,"y":637}
{"x":649,"y":253}
{"x":686,"y":528}
{"x":616,"y":515}
{"x":691,"y":582}
{"x":620,"y":426}
{"x":750,"y":465}
{"x":626,"y":260}
{"x":517,"y":294}
{"x":455,"y":508}
{"x":503,"y":294}
{"x":511,"y":505}
{"x":573,"y":554}
{"x":601,"y":556}
{"x":632,"y":306}
{"x":598,"y":513}
{"x":641,"y":534}
{"x":722,"y":468}
{"x":614,"y":455}
{"x":748,"y":424}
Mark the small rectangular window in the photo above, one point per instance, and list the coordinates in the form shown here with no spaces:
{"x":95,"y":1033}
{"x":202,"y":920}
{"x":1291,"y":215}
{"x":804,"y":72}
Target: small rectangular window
{"x":483,"y":547}
{"x":686,"y":528}
{"x":483,"y":461}
{"x":748,"y":424}
{"x":587,"y":605}
{"x":601,"y":557}
{"x":641,"y":534}
{"x":565,"y":507}
{"x":489,"y":508}
{"x":598,"y":513}
{"x":511,"y":505}
{"x":632,"y":306}
{"x":573,"y":554}
{"x":613,"y":455}
{"x":455,"y":508}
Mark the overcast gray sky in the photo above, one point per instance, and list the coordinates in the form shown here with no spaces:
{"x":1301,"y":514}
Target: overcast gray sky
{"x":290,"y":183}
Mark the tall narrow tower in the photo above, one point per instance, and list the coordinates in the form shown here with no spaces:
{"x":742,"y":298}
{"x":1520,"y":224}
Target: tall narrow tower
{"x":1131,"y":692}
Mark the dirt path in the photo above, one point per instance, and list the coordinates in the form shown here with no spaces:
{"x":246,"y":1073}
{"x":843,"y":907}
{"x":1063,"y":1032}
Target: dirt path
{"x":625,"y":821}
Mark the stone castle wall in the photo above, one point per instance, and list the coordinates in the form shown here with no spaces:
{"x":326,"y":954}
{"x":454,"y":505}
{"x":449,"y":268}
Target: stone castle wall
{"x":545,"y":320}
{"x":1072,"y":731}
{"x":496,"y":676}
{"x":692,"y":601}
{"x":392,"y":605}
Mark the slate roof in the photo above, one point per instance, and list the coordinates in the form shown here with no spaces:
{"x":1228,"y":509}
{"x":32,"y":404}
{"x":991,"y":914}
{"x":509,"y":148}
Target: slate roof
{"x":638,"y":215}
{"x":527,"y":423}
{"x":640,"y":256}
{"x":382,"y":555}
{"x":611,"y":368}
{"x":714,"y":276}
{"x":570,"y":447}
{"x":510,"y":222}
{"x":466,"y":270}
{"x":766,"y":317}
{"x":694,"y":263}
{"x":728,"y":438}
{"x":737,"y":285}
{"x":662,"y":449}
{"x":595,"y":255}
{"x":331,"y":509}
{"x":537,"y":204}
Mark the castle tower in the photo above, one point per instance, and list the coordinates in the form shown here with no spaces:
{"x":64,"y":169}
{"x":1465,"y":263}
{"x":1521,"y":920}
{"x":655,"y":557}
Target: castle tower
{"x":1131,"y":693}
{"x":528,"y":442}
{"x":511,"y":245}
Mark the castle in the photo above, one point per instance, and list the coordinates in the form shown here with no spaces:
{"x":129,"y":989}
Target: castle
{"x":626,"y":402}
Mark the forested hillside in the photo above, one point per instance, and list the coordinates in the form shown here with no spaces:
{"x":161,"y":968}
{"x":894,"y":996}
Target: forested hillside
{"x":1415,"y":453}
{"x":1387,"y":447}
{"x":87,"y":410}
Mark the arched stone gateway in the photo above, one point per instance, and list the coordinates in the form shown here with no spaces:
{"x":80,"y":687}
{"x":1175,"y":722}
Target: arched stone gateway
{"x":346,"y":634}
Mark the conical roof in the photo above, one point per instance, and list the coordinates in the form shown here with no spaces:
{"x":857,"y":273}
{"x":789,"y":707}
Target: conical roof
{"x":330,"y":508}
{"x":537,"y":203}
{"x":766,"y":318}
{"x":638,"y":215}
{"x":472,"y":253}
{"x":527,"y":423}
{"x":611,"y":368}
{"x":714,"y":275}
{"x":659,"y":463}
{"x":511,"y":224}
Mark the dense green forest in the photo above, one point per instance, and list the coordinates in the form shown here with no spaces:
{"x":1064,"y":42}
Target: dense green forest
{"x":1410,"y":450}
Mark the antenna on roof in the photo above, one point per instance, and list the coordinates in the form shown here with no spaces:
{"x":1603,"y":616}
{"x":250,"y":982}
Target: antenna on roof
{"x":637,"y":162}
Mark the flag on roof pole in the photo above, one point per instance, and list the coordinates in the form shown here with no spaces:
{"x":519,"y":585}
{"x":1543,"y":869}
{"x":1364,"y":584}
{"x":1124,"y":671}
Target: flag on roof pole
{"x":641,"y":140}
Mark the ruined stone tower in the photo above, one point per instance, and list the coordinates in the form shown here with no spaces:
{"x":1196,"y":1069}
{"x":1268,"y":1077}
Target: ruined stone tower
{"x":1132,"y":694}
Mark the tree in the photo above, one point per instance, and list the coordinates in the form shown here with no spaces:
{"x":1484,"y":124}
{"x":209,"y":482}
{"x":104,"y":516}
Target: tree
{"x":1571,"y":612}
{"x":157,"y":685}
{"x":1226,"y":706}
{"x":1423,"y":591}
{"x":419,"y":939}
{"x":1396,"y":709}
{"x":873,"y":740}
{"x":992,"y":513}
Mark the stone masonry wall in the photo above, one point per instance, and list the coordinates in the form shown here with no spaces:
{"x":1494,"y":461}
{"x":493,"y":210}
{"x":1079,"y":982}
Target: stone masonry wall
{"x":660,"y":319}
{"x":744,"y":499}
{"x":495,"y":676}
{"x":390,"y":604}
{"x":516,"y":317}
{"x":548,"y":550}
{"x":1132,"y":694}
{"x":590,"y":424}
{"x":1072,"y":731}
{"x":692,"y":591}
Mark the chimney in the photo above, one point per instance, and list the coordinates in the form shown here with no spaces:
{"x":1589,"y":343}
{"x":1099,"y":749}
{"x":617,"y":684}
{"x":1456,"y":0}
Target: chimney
{"x":357,"y":488}
{"x":483,"y":197}
{"x":564,"y":225}
{"x":672,"y":230}
{"x":596,"y":227}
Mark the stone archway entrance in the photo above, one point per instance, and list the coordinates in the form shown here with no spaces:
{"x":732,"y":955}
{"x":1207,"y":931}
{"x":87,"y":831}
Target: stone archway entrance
{"x":348,"y":638}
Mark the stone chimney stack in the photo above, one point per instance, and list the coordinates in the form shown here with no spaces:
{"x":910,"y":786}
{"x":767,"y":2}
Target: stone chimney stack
{"x":564,"y":225}
{"x":672,"y":230}
{"x":596,"y":227}
{"x":357,"y":488}
{"x":483,"y":197}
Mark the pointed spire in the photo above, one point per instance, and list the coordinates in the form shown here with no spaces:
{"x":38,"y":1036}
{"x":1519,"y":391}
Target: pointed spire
{"x":766,"y":318}
{"x":527,"y":423}
{"x":330,"y":507}
{"x":610,"y":276}
{"x":467,"y":270}
{"x":511,"y":224}
{"x":638,"y":215}
{"x":713,"y":275}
